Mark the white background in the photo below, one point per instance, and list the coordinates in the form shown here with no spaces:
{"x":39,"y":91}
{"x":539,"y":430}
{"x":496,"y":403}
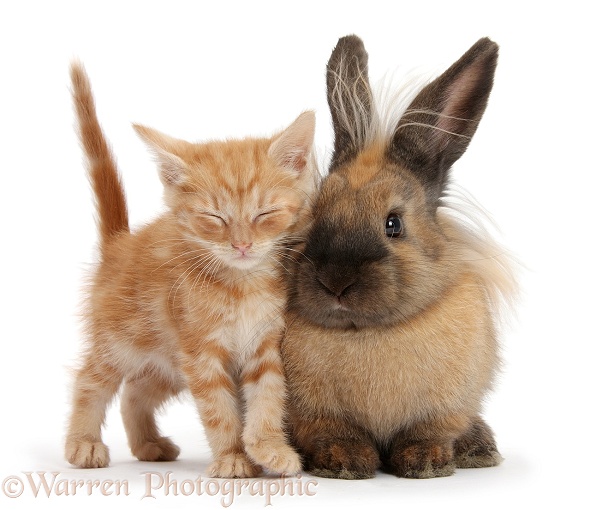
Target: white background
{"x":200,"y":70}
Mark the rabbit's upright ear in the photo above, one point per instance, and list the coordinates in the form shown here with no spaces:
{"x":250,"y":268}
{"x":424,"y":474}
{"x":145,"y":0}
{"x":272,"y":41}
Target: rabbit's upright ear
{"x":349,"y":98}
{"x":437,"y":127}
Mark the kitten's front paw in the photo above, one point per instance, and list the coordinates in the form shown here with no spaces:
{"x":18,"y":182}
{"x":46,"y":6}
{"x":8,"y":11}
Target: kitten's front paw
{"x":86,"y":454}
{"x":274,"y":455}
{"x":422,"y":460}
{"x":348,"y":460}
{"x":161,"y":450}
{"x":234,"y":465}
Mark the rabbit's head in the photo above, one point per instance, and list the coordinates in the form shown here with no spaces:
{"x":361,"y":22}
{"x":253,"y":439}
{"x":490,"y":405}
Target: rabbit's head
{"x":378,"y":253}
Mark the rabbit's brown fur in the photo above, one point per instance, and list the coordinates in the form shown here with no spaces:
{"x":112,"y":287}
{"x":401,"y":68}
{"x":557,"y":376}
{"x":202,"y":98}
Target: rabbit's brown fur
{"x":391,"y":341}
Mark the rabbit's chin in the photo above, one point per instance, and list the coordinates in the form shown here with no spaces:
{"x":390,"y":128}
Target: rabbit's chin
{"x":334,"y":319}
{"x":330,"y":312}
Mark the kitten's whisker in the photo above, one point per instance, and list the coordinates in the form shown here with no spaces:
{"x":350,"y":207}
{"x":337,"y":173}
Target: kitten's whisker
{"x":300,"y":253}
{"x":274,"y":258}
{"x":179,"y":256}
{"x":182,"y":278}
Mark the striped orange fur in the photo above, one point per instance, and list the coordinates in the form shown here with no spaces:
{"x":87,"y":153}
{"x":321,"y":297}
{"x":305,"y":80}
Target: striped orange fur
{"x":193,"y":300}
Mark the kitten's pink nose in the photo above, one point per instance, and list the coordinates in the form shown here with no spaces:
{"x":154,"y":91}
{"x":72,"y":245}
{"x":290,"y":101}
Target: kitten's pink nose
{"x":242,"y":247}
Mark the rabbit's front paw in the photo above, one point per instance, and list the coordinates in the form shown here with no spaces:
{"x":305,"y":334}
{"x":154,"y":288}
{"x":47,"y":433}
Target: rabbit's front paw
{"x":422,"y":460}
{"x":349,"y":460}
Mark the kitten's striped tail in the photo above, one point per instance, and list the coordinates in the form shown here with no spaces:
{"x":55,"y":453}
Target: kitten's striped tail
{"x":102,"y":167}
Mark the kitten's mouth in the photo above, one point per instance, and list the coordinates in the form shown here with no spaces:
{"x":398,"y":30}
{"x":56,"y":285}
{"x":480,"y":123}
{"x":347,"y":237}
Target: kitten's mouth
{"x":244,"y":260}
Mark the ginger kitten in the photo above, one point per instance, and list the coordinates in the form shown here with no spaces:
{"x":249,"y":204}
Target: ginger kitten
{"x":194,"y":299}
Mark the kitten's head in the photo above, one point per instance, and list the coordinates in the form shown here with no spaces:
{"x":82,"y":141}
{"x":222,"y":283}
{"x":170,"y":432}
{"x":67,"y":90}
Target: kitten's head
{"x":240,"y":199}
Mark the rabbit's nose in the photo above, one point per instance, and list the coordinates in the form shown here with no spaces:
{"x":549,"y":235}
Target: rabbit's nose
{"x":337,"y":285}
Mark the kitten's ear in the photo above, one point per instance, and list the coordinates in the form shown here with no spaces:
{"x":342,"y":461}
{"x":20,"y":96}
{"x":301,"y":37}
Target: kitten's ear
{"x":172,"y":168}
{"x":291,"y":149}
{"x":437,"y":127}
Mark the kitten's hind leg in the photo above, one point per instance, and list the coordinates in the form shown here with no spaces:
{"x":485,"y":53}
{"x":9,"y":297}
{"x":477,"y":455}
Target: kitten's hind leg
{"x":142,"y":395}
{"x":95,"y":386}
{"x":264,"y":391}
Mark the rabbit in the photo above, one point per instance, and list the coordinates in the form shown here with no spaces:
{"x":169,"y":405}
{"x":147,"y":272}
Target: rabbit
{"x":394,"y":306}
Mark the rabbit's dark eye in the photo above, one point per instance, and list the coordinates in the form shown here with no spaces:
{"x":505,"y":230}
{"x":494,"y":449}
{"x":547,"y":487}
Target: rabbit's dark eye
{"x":393,"y":226}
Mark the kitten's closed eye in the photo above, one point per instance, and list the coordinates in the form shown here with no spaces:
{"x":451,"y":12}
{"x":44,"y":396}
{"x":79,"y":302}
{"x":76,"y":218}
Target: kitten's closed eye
{"x":266,"y":213}
{"x":216,"y":217}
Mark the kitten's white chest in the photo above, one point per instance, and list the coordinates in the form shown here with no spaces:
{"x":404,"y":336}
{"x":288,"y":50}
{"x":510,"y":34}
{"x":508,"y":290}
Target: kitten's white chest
{"x":247,"y":321}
